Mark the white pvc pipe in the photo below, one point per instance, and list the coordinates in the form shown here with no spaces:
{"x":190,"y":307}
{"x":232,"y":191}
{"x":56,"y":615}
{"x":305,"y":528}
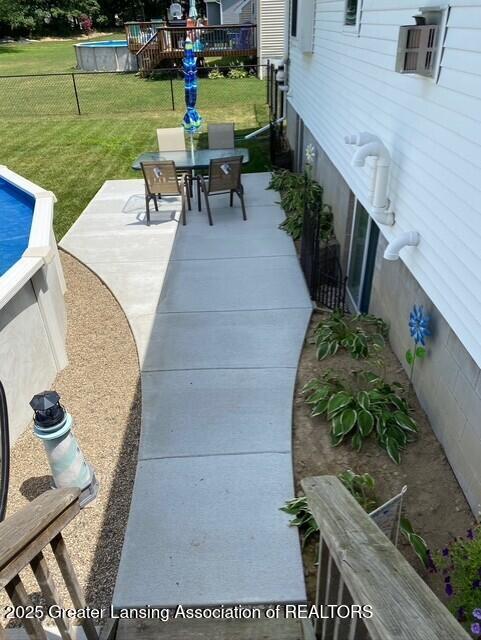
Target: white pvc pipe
{"x":370,"y":145}
{"x":407,"y":239}
{"x":258,"y":132}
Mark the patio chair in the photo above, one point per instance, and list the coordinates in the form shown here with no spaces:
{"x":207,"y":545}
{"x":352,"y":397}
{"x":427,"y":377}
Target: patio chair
{"x":161,"y":179}
{"x":224,"y":177}
{"x":173,"y":139}
{"x":221,"y":136}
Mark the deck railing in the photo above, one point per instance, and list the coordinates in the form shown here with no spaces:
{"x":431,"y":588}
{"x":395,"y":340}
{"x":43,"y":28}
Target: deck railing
{"x":359,"y":565}
{"x":23,"y":537}
{"x":152,"y":44}
{"x":138,"y":33}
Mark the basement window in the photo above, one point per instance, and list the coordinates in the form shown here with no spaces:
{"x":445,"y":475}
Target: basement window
{"x":352,"y":16}
{"x":294,"y":19}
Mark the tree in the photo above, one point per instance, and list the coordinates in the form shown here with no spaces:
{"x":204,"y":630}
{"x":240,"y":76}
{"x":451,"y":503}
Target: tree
{"x":38,"y":15}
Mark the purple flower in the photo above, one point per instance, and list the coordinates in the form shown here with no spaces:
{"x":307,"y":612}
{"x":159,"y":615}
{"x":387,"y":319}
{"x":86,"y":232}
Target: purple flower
{"x":445,"y":552}
{"x":476,"y":628}
{"x":470,"y":534}
{"x":477,"y":614}
{"x":448,"y":589}
{"x":461,"y":614}
{"x":476,"y":584}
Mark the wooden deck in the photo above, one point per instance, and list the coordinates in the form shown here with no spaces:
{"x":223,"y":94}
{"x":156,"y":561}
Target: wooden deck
{"x":153,"y":44}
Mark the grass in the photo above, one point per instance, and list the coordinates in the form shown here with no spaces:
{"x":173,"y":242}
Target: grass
{"x":44,"y":56}
{"x":73,"y":155}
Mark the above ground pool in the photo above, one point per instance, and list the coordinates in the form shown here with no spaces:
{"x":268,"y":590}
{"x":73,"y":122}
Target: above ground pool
{"x":33,"y":319}
{"x":105,"y":55}
{"x":16,"y":213}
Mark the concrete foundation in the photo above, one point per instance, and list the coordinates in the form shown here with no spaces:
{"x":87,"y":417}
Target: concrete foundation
{"x":448,"y":381}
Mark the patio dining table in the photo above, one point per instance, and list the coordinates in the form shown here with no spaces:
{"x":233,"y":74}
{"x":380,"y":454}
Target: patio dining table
{"x":196,"y":160}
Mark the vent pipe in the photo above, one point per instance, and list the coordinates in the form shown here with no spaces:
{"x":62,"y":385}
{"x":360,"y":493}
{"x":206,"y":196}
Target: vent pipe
{"x":372,"y":146}
{"x":408,"y":239}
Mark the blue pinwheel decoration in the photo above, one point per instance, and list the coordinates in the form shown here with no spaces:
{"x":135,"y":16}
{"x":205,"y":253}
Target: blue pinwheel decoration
{"x":192,"y":119}
{"x":419,"y":325}
{"x":419,"y":330}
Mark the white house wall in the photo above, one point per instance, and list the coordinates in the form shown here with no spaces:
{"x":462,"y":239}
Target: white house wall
{"x":432,"y":130}
{"x":271,"y":29}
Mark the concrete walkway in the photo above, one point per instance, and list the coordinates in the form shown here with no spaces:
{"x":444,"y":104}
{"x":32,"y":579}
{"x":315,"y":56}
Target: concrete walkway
{"x":219,"y":318}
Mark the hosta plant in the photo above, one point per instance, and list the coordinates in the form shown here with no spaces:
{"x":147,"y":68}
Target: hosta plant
{"x":362,"y":488}
{"x":369,"y":406}
{"x":303,"y":517}
{"x":361,"y":335}
{"x":300,"y":193}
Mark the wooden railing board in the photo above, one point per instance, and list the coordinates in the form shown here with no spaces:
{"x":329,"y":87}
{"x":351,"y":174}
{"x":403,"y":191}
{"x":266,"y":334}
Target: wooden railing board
{"x":49,"y":591}
{"x":73,"y":586}
{"x":30,"y":547}
{"x":374,"y":571}
{"x":23,"y":537}
{"x":20,"y":598}
{"x":18,"y":531}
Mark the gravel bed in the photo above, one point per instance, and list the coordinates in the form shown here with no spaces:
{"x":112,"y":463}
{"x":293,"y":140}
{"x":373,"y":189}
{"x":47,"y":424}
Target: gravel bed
{"x":101,"y":389}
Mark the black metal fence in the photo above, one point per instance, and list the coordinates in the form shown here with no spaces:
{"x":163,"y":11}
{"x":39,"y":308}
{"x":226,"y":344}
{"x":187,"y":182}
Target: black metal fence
{"x":275,"y":95}
{"x":104,"y":93}
{"x":321,"y":266}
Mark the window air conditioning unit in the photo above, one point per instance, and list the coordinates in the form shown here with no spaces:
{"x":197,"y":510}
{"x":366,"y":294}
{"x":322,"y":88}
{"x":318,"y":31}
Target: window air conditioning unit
{"x":420,"y":44}
{"x":417,"y":49}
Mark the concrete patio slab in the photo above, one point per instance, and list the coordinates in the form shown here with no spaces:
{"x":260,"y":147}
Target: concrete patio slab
{"x":208,"y":530}
{"x":125,"y":223}
{"x":223,"y":340}
{"x":219,"y":328}
{"x":236,"y":284}
{"x":128,"y":249}
{"x":236,"y":411}
{"x":216,"y":246}
{"x":137,"y":288}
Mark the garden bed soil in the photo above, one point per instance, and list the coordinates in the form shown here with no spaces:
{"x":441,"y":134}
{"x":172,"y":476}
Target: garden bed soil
{"x":434,"y":503}
{"x":101,"y":389}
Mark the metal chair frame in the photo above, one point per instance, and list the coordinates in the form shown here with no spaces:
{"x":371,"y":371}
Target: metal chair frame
{"x":165,"y":183}
{"x":219,"y":183}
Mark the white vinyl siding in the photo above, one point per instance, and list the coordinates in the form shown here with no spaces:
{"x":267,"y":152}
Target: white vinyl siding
{"x":432,"y":131}
{"x":271,"y":29}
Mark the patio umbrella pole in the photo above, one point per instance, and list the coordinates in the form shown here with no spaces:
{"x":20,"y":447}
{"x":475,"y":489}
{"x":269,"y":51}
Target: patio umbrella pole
{"x":192,"y":119}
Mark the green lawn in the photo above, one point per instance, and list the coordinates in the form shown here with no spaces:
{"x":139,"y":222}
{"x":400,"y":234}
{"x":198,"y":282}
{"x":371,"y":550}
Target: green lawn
{"x":43,"y":56}
{"x":73,"y":155}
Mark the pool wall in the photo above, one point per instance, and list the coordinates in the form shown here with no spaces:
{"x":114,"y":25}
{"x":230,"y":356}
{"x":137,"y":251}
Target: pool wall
{"x":105,"y":58}
{"x":33,"y":319}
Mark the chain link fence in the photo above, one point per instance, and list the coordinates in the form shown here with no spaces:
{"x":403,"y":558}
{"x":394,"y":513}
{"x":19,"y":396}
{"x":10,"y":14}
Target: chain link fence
{"x":103,"y":93}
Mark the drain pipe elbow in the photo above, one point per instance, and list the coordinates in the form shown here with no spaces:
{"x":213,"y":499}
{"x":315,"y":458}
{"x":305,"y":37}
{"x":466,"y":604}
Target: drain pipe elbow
{"x":360,"y":139}
{"x":383,"y":215}
{"x":408,"y":239}
{"x":374,"y":148}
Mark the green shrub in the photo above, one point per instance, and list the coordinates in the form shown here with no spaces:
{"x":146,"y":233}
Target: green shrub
{"x":215,"y":74}
{"x":362,"y":488}
{"x":459,"y":564}
{"x":238,"y":73}
{"x":300,"y":194}
{"x":369,"y":405}
{"x":360,"y":335}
